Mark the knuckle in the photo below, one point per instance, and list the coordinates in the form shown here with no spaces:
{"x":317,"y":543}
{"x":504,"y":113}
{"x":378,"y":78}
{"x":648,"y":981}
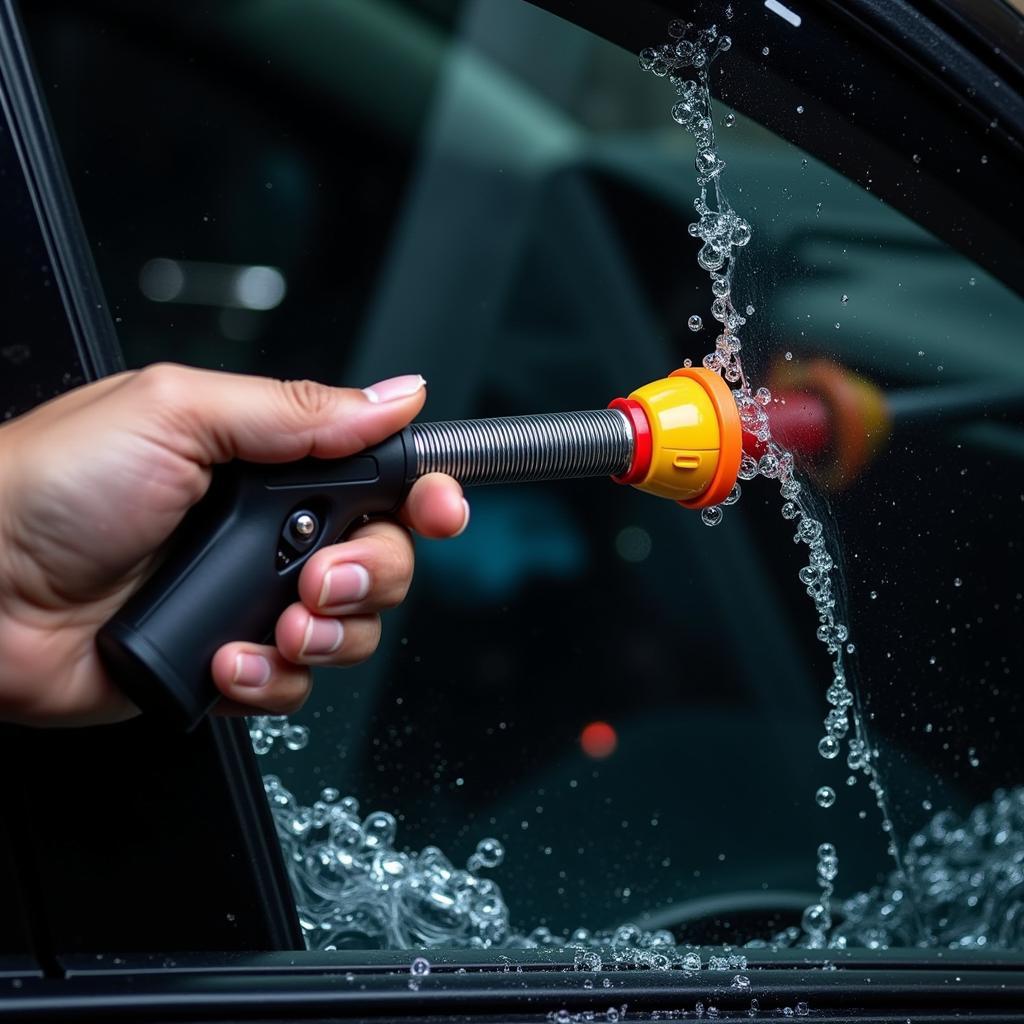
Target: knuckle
{"x":308,"y":398}
{"x":163,"y":384}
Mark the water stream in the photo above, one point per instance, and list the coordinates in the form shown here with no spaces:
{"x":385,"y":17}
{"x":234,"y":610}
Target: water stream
{"x":691,"y":52}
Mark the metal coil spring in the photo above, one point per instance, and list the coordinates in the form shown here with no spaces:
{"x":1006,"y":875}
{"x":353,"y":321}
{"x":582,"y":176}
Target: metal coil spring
{"x":515,"y":449}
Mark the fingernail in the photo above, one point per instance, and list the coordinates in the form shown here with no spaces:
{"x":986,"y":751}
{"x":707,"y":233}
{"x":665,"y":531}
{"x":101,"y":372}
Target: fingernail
{"x":323,"y":636}
{"x":251,"y":670}
{"x":465,"y":521}
{"x":344,"y":584}
{"x":393,"y":388}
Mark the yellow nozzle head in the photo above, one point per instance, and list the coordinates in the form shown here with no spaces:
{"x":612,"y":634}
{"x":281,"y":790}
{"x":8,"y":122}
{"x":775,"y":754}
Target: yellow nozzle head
{"x":693,"y":444}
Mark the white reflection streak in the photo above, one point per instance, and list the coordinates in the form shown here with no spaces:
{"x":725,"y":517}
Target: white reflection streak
{"x":783,"y":12}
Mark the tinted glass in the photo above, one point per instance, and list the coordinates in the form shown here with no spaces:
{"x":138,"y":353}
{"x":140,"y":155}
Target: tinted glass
{"x":38,"y":358}
{"x":629,"y":702}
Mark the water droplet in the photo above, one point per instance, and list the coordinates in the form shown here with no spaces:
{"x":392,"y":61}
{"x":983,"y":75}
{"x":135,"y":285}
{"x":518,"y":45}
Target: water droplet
{"x":916,"y":158}
{"x":984,"y":159}
{"x":420,"y":967}
{"x":837,"y":325}
{"x":711,"y":516}
{"x":764,"y":52}
{"x":971,"y":281}
{"x":750,"y":310}
{"x":694,"y":323}
{"x":958,"y":582}
{"x":295,"y":737}
{"x":729,"y":120}
{"x":800,"y":109}
{"x":816,"y":919}
{"x":845,"y":299}
{"x":788,"y":356}
{"x":825,"y":797}
{"x":490,"y":853}
{"x":648,"y":55}
{"x":828,"y":747}
{"x":379,"y":830}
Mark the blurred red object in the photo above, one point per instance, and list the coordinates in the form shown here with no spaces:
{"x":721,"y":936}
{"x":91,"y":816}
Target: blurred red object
{"x":598,"y":740}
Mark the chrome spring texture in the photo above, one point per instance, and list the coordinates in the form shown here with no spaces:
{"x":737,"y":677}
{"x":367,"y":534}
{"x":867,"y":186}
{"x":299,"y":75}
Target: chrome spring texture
{"x":516,"y":449}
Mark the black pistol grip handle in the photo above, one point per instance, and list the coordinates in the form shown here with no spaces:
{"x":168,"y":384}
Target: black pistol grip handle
{"x":232,"y":567}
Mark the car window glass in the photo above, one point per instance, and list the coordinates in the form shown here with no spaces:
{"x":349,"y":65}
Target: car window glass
{"x":627,"y":702}
{"x":38,"y":359}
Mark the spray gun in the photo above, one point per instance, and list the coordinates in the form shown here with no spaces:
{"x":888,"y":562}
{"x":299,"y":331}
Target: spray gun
{"x":232,"y":566}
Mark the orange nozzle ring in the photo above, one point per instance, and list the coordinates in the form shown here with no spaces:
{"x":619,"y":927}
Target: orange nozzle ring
{"x":730,"y":446}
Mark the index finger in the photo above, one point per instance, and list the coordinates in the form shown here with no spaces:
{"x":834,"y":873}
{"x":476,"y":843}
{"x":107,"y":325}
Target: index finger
{"x":435,"y":507}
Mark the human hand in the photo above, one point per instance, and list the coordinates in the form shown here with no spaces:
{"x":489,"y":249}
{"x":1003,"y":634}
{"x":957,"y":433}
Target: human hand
{"x":94,"y":482}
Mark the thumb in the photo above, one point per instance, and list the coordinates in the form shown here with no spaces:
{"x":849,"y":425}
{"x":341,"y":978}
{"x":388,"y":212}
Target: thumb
{"x":219,"y":416}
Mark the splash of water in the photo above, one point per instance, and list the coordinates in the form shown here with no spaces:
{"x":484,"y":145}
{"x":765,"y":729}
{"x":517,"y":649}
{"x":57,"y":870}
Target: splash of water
{"x":690,"y":52}
{"x":356,"y":889}
{"x":968,"y":883}
{"x":267,"y":730}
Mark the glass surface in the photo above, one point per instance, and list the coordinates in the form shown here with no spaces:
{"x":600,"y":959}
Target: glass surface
{"x":493,"y":197}
{"x":38,"y":359}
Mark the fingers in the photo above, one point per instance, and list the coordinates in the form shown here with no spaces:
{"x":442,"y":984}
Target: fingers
{"x":372,"y":570}
{"x":435,"y":507}
{"x":255,"y":678}
{"x":213,"y":417}
{"x":308,"y":639}
{"x":367,"y":573}
{"x":341,"y":590}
